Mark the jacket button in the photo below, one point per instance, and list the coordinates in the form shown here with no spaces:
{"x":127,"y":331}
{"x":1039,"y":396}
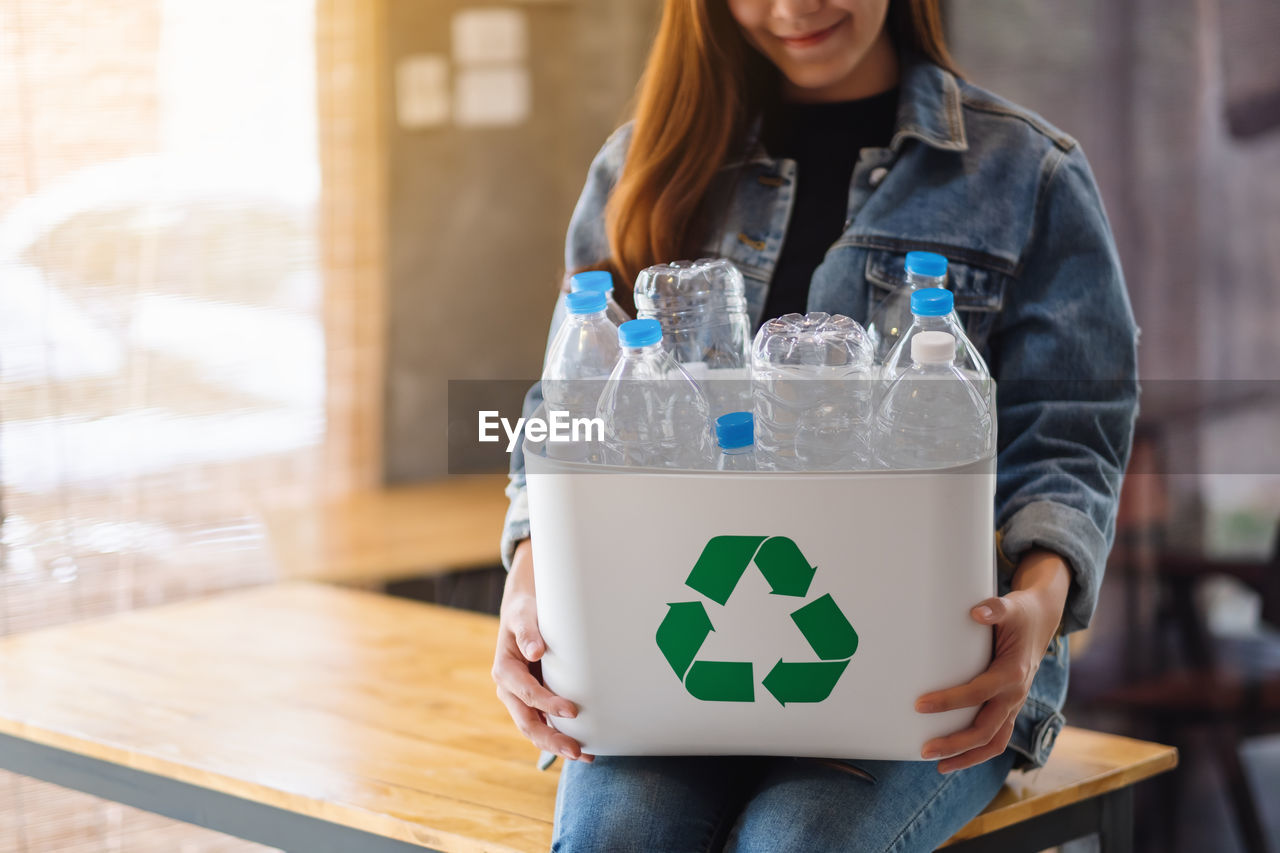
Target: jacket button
{"x":877,"y":175}
{"x":1047,"y":734}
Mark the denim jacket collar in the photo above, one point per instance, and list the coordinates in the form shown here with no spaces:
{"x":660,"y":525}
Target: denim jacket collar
{"x":928,"y":110}
{"x":929,"y":106}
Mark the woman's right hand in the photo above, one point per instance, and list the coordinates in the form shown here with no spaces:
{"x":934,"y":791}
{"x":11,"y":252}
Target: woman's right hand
{"x":515,"y":663}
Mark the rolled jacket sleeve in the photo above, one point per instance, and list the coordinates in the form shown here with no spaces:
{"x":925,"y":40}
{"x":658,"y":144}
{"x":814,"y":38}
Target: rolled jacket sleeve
{"x":516,"y":526}
{"x":1065,"y":361}
{"x":586,"y":244}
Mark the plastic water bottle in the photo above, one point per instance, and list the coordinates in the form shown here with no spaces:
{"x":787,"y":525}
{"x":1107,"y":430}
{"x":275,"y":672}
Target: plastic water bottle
{"x":600,"y":280}
{"x":702,"y":306}
{"x":578,"y":364}
{"x":932,"y":416}
{"x":892,"y":317}
{"x":933,"y":310}
{"x":812,"y":378}
{"x":736,"y":436}
{"x":655,"y":415}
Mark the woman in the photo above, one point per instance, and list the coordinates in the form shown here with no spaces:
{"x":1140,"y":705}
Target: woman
{"x":813,"y":143}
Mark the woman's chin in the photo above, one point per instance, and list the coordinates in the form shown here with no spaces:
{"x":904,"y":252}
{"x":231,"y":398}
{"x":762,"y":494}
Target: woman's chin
{"x":812,"y":84}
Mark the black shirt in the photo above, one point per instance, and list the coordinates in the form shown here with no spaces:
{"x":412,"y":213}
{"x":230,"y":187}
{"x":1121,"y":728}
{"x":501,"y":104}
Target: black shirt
{"x":824,"y":140}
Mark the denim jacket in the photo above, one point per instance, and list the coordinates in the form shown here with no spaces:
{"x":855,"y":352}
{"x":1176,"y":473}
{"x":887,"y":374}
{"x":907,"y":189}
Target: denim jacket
{"x":1012,"y":204}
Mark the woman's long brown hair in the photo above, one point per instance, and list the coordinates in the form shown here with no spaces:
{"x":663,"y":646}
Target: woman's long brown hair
{"x":702,"y":85}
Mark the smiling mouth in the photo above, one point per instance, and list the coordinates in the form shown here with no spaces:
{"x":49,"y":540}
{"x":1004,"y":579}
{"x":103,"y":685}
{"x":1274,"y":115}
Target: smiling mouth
{"x":813,"y":38}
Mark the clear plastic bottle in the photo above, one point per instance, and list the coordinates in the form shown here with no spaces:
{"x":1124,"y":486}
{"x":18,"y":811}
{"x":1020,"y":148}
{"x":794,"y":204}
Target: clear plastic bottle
{"x":812,"y":379}
{"x":736,"y":435}
{"x":892,"y":317}
{"x":601,"y":280}
{"x":579,"y":361}
{"x":655,"y":415}
{"x":932,"y":416}
{"x":933,"y":310}
{"x":702,"y":306}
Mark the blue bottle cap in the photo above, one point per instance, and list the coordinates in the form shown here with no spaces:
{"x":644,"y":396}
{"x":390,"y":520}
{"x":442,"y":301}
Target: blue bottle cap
{"x":932,"y":302}
{"x":586,"y":301}
{"x":927,"y":263}
{"x":639,"y":333}
{"x":591,"y":280}
{"x":735,"y":429}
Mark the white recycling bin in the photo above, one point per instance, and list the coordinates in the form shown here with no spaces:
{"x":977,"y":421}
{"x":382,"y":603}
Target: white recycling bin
{"x":706,"y":612}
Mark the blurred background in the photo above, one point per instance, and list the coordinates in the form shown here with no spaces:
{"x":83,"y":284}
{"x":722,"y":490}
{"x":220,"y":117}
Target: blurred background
{"x":244,"y":246}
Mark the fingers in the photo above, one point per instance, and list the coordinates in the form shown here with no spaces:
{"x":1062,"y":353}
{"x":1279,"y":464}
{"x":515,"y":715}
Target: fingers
{"x":526,"y":698}
{"x":511,"y":673}
{"x":986,"y":725}
{"x":520,"y":616}
{"x":1008,"y":671}
{"x":529,"y":640}
{"x":532,"y":726}
{"x":979,"y":689}
{"x":520,"y":644}
{"x":990,"y":612}
{"x":983,"y":753}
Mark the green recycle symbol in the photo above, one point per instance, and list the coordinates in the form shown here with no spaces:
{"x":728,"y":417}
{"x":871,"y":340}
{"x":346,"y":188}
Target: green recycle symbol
{"x":718,"y":570}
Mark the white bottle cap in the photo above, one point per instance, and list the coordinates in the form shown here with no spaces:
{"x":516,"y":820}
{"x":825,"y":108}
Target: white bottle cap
{"x":933,"y":348}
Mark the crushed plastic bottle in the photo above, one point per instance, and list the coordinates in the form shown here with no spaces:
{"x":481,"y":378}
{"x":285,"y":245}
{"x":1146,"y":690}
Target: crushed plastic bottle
{"x":702,"y":306}
{"x":812,"y":378}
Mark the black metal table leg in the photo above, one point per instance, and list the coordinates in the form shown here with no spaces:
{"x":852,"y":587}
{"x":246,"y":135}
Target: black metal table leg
{"x":1109,"y":816}
{"x":1116,"y":831}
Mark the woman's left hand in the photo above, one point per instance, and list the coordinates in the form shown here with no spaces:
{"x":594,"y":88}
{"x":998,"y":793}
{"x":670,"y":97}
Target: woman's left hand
{"x":1025,"y":621}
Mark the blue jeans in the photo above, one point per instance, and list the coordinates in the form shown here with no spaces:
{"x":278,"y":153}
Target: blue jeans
{"x":660,"y":804}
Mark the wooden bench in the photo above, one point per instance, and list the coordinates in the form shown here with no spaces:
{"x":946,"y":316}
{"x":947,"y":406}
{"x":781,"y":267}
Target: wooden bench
{"x":378,"y":536}
{"x":322,"y":719}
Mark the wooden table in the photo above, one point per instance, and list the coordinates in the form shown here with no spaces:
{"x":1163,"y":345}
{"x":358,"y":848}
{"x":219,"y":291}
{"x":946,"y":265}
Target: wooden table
{"x":390,"y":534}
{"x":321,"y":719}
{"x":1086,"y":787}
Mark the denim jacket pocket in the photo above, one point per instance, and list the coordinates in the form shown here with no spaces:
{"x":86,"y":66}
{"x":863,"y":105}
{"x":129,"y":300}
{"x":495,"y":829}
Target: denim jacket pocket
{"x":979,"y":291}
